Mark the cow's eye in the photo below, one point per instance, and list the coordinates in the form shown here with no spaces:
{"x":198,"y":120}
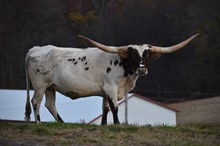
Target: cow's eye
{"x":146,"y":53}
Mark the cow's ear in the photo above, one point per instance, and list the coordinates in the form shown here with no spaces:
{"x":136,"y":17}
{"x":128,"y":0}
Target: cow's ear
{"x":154,"y":55}
{"x":123,"y":53}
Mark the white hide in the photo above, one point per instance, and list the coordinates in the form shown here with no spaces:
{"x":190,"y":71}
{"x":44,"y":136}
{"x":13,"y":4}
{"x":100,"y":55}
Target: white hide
{"x":49,"y":65}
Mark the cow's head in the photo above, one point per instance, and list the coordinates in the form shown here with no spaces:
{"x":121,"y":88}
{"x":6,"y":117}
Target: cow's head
{"x":134,"y":57}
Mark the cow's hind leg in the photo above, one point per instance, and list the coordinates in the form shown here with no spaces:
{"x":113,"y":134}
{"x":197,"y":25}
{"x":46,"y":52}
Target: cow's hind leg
{"x":36,"y":101}
{"x":50,"y":103}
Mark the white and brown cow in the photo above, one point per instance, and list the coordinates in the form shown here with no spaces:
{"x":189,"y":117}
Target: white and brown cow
{"x":110,"y":72}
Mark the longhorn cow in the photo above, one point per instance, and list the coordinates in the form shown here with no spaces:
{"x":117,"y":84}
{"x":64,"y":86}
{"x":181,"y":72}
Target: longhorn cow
{"x":106,"y":71}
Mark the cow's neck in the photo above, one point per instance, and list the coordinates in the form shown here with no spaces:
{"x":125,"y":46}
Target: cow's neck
{"x":129,"y":74}
{"x":133,"y":77}
{"x":129,"y":84}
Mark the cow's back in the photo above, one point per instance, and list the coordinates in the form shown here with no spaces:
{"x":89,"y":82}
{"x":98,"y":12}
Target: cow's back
{"x":72,"y":70}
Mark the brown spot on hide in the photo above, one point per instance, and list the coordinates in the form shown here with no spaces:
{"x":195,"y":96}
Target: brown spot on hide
{"x":73,"y":59}
{"x":86,"y":68}
{"x":86,"y":63}
{"x":83,"y":58}
{"x":110,"y":62}
{"x":116,"y":62}
{"x":38,"y":70}
{"x":108,"y":70}
{"x":123,"y":53}
{"x":75,"y":63}
{"x":151,"y":55}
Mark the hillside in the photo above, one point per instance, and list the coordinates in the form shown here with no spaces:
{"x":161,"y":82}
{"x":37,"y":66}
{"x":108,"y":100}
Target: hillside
{"x":124,"y":135}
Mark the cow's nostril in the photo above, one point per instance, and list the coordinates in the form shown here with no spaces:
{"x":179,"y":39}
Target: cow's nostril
{"x":141,"y":69}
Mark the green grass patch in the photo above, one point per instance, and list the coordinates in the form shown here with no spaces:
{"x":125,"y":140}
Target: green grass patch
{"x":84,"y":134}
{"x":122,"y":128}
{"x":42,"y":130}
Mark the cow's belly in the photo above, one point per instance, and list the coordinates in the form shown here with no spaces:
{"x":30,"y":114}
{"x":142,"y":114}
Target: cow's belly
{"x":79,"y":91}
{"x":75,"y":82}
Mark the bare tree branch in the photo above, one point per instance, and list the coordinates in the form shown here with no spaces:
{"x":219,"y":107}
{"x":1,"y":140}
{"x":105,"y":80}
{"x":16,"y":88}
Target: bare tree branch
{"x":102,"y":5}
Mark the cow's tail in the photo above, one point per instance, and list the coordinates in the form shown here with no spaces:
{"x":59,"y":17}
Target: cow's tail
{"x":28,"y":105}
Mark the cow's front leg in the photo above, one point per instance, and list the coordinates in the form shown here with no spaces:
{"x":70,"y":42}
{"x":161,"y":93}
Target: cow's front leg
{"x":114,"y":107}
{"x":111,"y":93}
{"x":105,"y":110}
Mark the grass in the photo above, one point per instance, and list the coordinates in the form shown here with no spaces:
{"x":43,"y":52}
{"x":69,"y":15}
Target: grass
{"x":80,"y":134}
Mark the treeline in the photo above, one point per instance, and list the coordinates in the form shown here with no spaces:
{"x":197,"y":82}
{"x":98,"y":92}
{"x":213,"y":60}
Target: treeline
{"x":190,"y":73}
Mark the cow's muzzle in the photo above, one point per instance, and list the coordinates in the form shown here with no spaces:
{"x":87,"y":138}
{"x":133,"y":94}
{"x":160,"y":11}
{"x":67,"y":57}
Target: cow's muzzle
{"x":142,"y":70}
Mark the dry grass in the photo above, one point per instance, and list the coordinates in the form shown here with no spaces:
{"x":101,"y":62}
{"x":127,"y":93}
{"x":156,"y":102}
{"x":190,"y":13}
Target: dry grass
{"x":77,"y":134}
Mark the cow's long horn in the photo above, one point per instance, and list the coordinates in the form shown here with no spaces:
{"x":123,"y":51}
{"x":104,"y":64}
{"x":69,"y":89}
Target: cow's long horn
{"x":105,"y":48}
{"x":172,"y":48}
